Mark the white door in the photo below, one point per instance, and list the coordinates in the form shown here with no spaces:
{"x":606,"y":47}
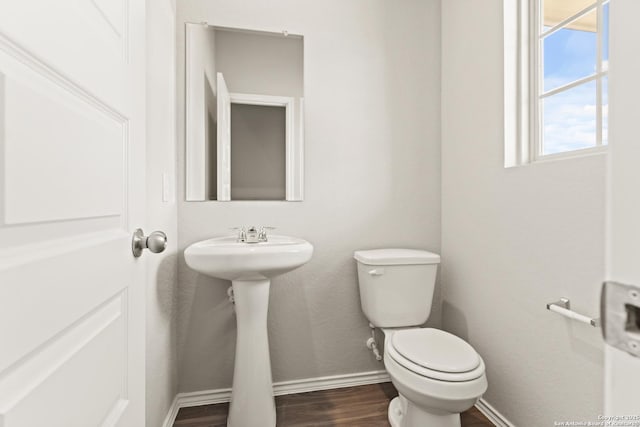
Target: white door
{"x":622,"y":371}
{"x":224,"y":138}
{"x":72,"y":171}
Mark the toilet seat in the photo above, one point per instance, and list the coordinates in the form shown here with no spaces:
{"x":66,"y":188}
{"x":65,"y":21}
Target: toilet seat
{"x":435,"y":354}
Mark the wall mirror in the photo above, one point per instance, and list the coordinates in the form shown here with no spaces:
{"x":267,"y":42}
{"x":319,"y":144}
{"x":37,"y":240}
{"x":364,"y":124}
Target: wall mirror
{"x":244,"y":114}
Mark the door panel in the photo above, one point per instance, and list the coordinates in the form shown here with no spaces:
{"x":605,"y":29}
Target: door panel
{"x":86,"y":41}
{"x":68,"y":128}
{"x":71,"y":192}
{"x":52,"y":291}
{"x":70,"y":364}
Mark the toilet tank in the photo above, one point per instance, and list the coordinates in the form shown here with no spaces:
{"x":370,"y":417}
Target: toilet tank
{"x":396,"y":285}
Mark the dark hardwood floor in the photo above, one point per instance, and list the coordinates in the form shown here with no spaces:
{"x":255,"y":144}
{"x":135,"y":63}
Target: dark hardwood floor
{"x":364,"y":406}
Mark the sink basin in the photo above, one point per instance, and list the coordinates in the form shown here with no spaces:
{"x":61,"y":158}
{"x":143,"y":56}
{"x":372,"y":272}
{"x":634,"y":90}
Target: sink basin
{"x":250,"y":267}
{"x":226,"y":258}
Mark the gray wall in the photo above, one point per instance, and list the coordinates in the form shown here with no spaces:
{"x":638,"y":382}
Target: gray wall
{"x":212,"y":157}
{"x":515,"y":239}
{"x":372,"y":100}
{"x":258,"y":155}
{"x":161,"y":355}
{"x":260,"y":63}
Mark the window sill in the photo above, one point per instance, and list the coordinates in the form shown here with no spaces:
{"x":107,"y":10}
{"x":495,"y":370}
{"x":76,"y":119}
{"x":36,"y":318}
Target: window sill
{"x":585,"y":152}
{"x":576,"y":154}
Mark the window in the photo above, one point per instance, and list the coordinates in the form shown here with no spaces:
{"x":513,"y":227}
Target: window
{"x":558,"y":63}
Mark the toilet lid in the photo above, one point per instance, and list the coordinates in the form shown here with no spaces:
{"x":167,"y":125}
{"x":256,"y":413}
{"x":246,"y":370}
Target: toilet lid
{"x":435,"y":350}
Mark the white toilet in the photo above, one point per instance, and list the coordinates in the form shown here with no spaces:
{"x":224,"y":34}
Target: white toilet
{"x":437,"y":374}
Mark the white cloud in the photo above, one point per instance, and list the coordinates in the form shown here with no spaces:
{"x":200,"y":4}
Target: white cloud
{"x":570,"y":119}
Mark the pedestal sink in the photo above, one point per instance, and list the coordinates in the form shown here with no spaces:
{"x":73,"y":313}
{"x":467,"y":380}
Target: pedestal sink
{"x":250,"y":267}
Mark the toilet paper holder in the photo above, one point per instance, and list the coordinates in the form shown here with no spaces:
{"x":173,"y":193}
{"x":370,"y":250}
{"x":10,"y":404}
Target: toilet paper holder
{"x":563,"y":307}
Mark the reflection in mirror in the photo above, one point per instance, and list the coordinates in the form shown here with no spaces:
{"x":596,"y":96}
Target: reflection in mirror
{"x":244,"y":115}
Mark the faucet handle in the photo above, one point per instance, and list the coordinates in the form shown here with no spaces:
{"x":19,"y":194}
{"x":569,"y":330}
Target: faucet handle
{"x":263,"y":232}
{"x":242,"y":233}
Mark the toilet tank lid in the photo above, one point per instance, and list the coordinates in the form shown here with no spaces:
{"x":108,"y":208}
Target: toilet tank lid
{"x":396,"y":257}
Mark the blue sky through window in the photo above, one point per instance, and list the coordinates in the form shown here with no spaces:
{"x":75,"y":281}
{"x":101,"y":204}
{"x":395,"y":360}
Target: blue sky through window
{"x":569,"y":117}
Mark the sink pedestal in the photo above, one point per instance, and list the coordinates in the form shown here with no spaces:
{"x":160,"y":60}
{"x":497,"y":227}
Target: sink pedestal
{"x":252,"y":401}
{"x":250,"y":266}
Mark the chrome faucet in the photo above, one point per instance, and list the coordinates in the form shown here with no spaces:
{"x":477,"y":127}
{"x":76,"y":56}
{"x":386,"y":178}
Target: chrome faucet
{"x":253,"y":234}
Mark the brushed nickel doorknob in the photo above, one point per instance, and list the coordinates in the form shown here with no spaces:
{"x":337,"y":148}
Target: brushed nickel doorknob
{"x":156,"y":242}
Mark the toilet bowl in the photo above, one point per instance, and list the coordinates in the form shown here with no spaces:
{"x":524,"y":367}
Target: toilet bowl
{"x":437,"y":374}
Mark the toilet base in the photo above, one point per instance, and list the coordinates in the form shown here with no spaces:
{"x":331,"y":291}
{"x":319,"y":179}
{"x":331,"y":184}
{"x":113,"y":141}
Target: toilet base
{"x":404,"y":414}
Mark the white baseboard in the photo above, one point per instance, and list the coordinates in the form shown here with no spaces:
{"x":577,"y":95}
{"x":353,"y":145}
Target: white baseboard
{"x":492,"y":414}
{"x":172,"y":414}
{"x":211,"y":397}
{"x":332,"y":382}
